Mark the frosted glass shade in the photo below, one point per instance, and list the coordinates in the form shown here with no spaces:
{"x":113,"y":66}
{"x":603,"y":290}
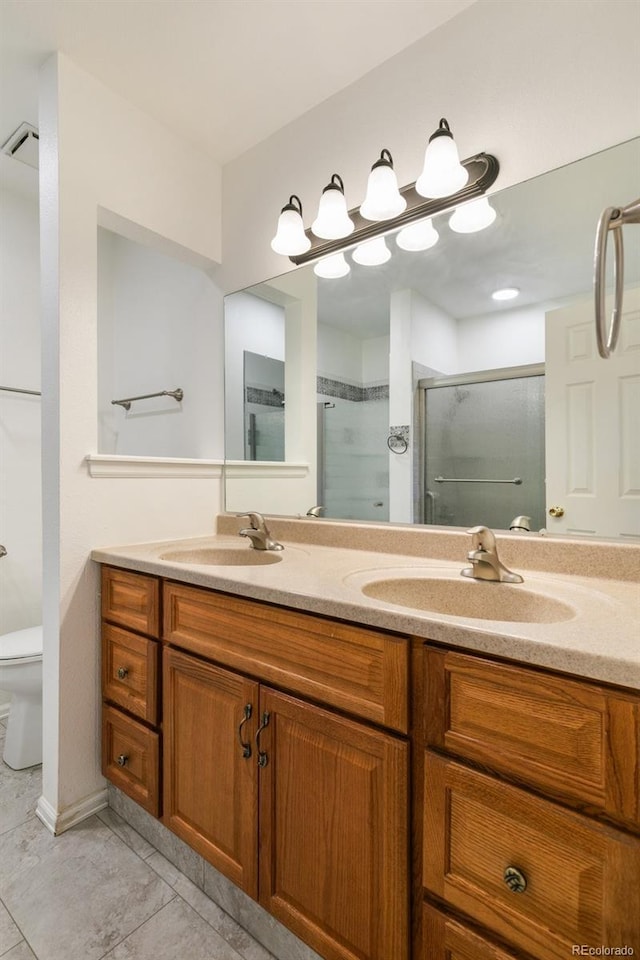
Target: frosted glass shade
{"x":473,"y":216}
{"x":418,"y":236}
{"x":290,"y":238}
{"x":442,"y":174}
{"x":333,"y":221}
{"x":372,"y":252}
{"x":383,"y":200}
{"x":331,"y":268}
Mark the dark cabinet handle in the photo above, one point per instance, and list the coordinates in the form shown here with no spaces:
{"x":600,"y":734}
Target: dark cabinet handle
{"x":122,"y":760}
{"x":263,"y":759}
{"x":122,"y":672}
{"x":246,"y":746}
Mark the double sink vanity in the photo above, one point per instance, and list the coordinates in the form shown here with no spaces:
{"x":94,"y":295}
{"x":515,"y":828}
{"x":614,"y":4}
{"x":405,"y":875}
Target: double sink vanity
{"x":397,"y":762}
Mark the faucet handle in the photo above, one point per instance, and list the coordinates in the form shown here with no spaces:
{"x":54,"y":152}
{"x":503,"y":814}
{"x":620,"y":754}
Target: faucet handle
{"x":255,"y":519}
{"x":483,"y":539}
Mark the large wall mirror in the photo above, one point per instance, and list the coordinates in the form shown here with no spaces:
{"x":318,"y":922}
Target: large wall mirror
{"x":405,"y":392}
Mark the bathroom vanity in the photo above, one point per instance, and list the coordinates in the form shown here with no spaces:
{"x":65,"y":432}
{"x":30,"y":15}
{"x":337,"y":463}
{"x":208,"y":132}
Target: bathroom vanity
{"x":390,"y":784}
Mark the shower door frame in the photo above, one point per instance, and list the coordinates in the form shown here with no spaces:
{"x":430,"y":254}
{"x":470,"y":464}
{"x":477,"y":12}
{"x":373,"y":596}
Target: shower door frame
{"x":424,"y":499}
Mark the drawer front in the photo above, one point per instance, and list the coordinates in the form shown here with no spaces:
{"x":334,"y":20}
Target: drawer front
{"x":576,"y":741}
{"x":130,"y":672}
{"x":131,"y":758}
{"x":578,"y":874}
{"x":446,"y":939}
{"x":362,"y":671}
{"x":131,"y":600}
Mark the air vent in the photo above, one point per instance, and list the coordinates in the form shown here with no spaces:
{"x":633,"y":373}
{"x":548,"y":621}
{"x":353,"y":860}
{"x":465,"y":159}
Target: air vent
{"x":23,"y":145}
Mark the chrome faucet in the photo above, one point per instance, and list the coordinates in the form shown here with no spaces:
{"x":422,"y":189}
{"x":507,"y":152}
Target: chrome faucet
{"x":258,"y":533}
{"x":315,"y":511}
{"x":483,"y":555}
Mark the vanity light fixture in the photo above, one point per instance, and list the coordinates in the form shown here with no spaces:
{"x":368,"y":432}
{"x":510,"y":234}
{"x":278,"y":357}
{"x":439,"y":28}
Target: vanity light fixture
{"x":333,"y":221}
{"x":371,"y":253}
{"x":507,"y":293}
{"x":442,"y":174}
{"x":337,"y":229}
{"x":332,"y":268}
{"x":418,"y":236}
{"x":290,"y":237}
{"x":383,"y":200}
{"x":472,"y":217}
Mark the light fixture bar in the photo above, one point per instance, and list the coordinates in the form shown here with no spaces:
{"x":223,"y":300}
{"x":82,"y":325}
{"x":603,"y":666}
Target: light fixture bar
{"x":483,"y":171}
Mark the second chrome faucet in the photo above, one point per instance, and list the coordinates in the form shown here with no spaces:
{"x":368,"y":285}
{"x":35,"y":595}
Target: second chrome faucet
{"x":258,"y":532}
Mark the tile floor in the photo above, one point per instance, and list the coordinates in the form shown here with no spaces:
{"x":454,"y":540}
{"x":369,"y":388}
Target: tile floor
{"x":99,"y":891}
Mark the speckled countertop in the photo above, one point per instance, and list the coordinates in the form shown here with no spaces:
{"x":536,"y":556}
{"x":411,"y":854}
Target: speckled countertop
{"x":591,"y":627}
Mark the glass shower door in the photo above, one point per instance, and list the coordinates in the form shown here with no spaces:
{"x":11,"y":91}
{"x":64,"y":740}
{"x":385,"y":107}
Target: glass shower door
{"x":483,"y":460}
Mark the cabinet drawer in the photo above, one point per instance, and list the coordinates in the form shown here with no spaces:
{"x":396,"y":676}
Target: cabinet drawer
{"x":131,"y":758}
{"x":361,"y":671}
{"x":446,"y":939}
{"x":131,"y":599}
{"x":581,"y":876}
{"x":130,"y":672}
{"x":570,"y":739}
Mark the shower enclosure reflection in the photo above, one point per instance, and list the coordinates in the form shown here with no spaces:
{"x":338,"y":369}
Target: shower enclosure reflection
{"x":469,"y":471}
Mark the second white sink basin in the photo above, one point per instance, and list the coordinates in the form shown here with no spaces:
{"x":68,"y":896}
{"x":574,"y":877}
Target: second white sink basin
{"x":223,"y":556}
{"x":473,"y":599}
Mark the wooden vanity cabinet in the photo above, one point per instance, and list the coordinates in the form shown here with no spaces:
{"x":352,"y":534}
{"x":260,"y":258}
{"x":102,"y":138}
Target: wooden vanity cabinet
{"x":130,"y":679}
{"x":304,"y":808}
{"x":515,"y":757}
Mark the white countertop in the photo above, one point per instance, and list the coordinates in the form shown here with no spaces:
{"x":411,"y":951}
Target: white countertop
{"x":600,"y":639}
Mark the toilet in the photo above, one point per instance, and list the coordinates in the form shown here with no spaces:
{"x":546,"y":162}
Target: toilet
{"x":21,"y":676}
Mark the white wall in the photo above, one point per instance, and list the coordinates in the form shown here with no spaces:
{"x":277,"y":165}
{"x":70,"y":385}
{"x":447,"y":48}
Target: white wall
{"x":434,"y":335}
{"x":526,"y":81}
{"x":101,"y":158}
{"x":156,"y":331}
{"x":20,"y":487}
{"x":506,"y":339}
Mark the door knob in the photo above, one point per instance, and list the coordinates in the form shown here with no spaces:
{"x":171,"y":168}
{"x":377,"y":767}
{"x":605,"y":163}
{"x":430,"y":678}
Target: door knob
{"x":556,"y":511}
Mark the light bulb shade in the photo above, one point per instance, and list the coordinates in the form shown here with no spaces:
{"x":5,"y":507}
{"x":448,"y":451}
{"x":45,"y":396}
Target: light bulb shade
{"x":418,"y":236}
{"x":443,"y":174}
{"x":371,"y":253}
{"x":290,"y":238}
{"x":331,"y":268}
{"x":333,"y":221}
{"x":473,"y":216}
{"x":383,"y":200}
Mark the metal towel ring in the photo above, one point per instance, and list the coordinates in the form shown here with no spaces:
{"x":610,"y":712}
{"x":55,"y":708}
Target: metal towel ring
{"x":607,"y":341}
{"x":613,"y":218}
{"x":397,"y":443}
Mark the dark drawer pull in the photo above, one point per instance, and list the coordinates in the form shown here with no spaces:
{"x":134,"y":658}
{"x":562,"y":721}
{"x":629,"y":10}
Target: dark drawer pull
{"x":122,"y":672}
{"x":122,"y":760}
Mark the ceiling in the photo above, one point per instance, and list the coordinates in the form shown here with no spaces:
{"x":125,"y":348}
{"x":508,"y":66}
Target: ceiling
{"x":224,"y":74}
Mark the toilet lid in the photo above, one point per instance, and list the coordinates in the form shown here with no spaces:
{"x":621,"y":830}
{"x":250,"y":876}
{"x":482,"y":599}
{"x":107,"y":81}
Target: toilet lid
{"x":21,"y":643}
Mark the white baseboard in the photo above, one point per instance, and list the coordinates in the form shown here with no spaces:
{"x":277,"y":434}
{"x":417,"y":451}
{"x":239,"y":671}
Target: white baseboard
{"x":57,"y":822}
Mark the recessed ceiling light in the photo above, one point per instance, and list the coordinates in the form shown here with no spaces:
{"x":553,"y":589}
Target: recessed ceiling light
{"x":508,"y":293}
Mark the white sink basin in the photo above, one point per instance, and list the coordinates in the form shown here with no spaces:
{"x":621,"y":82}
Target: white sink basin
{"x":223,"y":556}
{"x":473,"y":599}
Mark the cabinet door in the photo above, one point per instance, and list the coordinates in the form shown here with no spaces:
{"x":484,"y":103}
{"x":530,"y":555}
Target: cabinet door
{"x":333,"y":830}
{"x":210,"y":788}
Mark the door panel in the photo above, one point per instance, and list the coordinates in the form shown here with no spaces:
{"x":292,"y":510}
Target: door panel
{"x":211,"y":788}
{"x":333,"y":848}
